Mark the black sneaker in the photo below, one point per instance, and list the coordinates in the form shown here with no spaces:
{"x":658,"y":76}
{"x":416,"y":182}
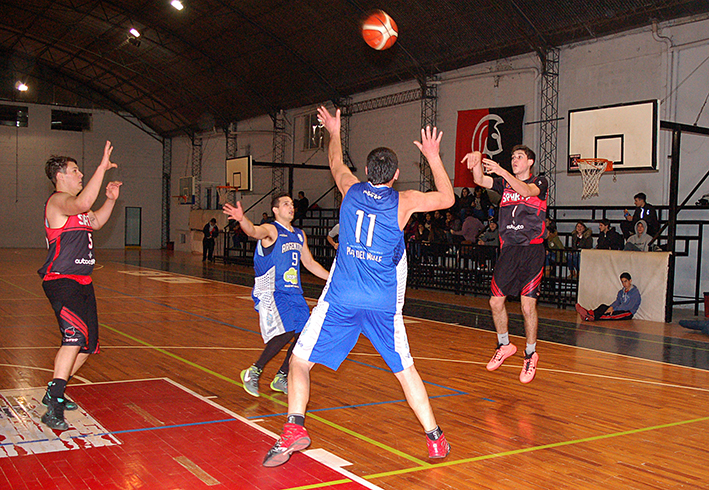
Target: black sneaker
{"x":68,"y":404}
{"x":54,"y":417}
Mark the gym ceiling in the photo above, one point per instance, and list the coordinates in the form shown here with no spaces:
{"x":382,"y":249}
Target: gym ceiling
{"x":218,"y":61}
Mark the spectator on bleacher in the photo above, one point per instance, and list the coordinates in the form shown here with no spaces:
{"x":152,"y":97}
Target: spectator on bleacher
{"x":581,"y":238}
{"x":480,"y":204}
{"x":451,"y":224}
{"x":491,"y":236}
{"x":433,"y":228}
{"x":238,"y":235}
{"x":608,"y":238}
{"x":471,"y":228}
{"x":643,"y":211}
{"x":466,"y":201}
{"x":553,"y":246}
{"x":332,"y":236}
{"x":640,"y":241}
{"x":265,"y":218}
{"x":301,"y":206}
{"x":411,"y":228}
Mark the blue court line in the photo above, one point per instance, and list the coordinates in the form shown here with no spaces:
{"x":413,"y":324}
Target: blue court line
{"x":353,"y":406}
{"x":458,"y":392}
{"x":127,"y":431}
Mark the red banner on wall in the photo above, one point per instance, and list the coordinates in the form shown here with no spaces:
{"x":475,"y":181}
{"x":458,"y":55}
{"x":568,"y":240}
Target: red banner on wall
{"x":491,"y":131}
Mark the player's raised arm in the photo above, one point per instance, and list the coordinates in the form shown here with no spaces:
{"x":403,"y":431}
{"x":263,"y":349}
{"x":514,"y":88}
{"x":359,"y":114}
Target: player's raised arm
{"x":69,"y":204}
{"x":344,"y":178}
{"x":473,"y":161}
{"x":99,"y":217}
{"x":258,"y":232}
{"x":443,"y":197}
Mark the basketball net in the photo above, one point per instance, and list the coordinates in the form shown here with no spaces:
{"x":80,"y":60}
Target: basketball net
{"x":591,"y":171}
{"x":227,"y":194}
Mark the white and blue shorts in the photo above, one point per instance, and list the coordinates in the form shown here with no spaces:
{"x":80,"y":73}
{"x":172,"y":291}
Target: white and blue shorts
{"x":281,"y":313}
{"x":333,"y":330}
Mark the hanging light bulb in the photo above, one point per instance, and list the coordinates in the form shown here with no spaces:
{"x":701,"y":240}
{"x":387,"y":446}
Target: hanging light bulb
{"x":177,"y":4}
{"x":21,"y":86}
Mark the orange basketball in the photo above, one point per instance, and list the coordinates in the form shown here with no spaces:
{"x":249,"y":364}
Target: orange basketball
{"x":380,"y":31}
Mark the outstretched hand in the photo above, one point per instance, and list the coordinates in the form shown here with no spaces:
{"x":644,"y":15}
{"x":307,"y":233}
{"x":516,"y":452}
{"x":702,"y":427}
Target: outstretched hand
{"x":106,"y":163}
{"x":473,"y":159}
{"x":234,"y":212}
{"x":492,"y":167}
{"x":331,"y":123}
{"x":113,"y":189}
{"x":430,"y":143}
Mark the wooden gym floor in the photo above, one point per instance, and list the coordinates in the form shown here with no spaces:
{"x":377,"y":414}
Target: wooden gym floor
{"x":614,"y":406}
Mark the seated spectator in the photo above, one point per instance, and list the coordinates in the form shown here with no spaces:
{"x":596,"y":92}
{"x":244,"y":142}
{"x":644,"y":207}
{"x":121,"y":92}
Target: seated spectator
{"x":626,"y":304}
{"x":643,"y":211}
{"x":265,"y":218}
{"x":554,"y":248}
{"x":491,"y":236}
{"x":239,"y":236}
{"x":581,"y":238}
{"x":451,"y":224}
{"x":489,"y":240}
{"x":471,"y":228}
{"x":480,"y":204}
{"x":410,"y":228}
{"x":640,"y":242}
{"x":466,"y":201}
{"x":608,"y":238}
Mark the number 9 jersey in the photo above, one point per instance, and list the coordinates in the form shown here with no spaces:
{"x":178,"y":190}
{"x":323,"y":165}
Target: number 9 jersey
{"x":371,"y":258}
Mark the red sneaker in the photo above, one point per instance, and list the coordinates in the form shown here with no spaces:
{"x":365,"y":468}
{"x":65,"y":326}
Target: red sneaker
{"x":583,"y":312}
{"x":501,"y":353}
{"x":529,"y":368}
{"x":438,"y":448}
{"x":294,"y":438}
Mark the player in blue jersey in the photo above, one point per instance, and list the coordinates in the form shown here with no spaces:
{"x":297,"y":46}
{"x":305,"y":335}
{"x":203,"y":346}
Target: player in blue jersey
{"x":520,"y":266}
{"x":277,"y":293}
{"x":66,"y":274}
{"x":365,"y":291}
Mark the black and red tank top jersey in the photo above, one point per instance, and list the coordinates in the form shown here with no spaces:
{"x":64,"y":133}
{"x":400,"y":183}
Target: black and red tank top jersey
{"x":70,"y":248}
{"x":522,"y":219}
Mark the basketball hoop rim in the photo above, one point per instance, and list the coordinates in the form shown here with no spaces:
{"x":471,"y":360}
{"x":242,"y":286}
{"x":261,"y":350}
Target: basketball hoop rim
{"x":595,"y":161}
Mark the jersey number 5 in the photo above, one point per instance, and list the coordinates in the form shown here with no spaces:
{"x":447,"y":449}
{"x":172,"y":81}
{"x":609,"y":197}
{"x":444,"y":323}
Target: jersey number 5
{"x":370,"y":230}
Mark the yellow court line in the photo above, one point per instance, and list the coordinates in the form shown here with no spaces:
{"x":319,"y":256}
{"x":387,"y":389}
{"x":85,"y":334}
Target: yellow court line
{"x":361,"y":437}
{"x":505,"y":453}
{"x":22,"y":289}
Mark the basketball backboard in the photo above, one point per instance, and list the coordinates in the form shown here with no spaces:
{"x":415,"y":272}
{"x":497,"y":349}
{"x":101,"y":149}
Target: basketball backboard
{"x":625,"y":134}
{"x":239,"y":173}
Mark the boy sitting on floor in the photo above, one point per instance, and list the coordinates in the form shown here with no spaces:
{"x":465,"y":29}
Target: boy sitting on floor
{"x":624,"y":307}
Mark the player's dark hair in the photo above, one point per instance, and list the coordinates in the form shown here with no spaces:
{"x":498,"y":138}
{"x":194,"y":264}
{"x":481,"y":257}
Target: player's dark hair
{"x":527,"y":151}
{"x":382,"y":164}
{"x":56,"y":164}
{"x":626,"y":275}
{"x":640,"y":195}
{"x":277,"y":197}
{"x":605,"y":221}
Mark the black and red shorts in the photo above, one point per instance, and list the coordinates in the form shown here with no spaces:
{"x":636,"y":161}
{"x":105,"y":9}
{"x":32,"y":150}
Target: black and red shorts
{"x":74,"y":305}
{"x":519,"y":271}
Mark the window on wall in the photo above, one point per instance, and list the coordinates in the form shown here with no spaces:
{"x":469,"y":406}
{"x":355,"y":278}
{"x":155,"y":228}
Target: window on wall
{"x":71,"y":121}
{"x":314,"y":133}
{"x":13,"y":115}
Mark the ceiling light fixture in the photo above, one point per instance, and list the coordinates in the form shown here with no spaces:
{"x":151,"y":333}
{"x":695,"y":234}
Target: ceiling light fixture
{"x":134,"y":32}
{"x":21,"y":86}
{"x":177,"y":4}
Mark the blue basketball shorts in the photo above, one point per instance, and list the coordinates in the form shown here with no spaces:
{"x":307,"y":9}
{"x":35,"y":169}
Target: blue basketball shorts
{"x":281,"y":313}
{"x":333,"y":330}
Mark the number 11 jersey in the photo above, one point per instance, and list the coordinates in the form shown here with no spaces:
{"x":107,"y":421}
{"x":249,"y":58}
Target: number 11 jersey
{"x":370,"y":269}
